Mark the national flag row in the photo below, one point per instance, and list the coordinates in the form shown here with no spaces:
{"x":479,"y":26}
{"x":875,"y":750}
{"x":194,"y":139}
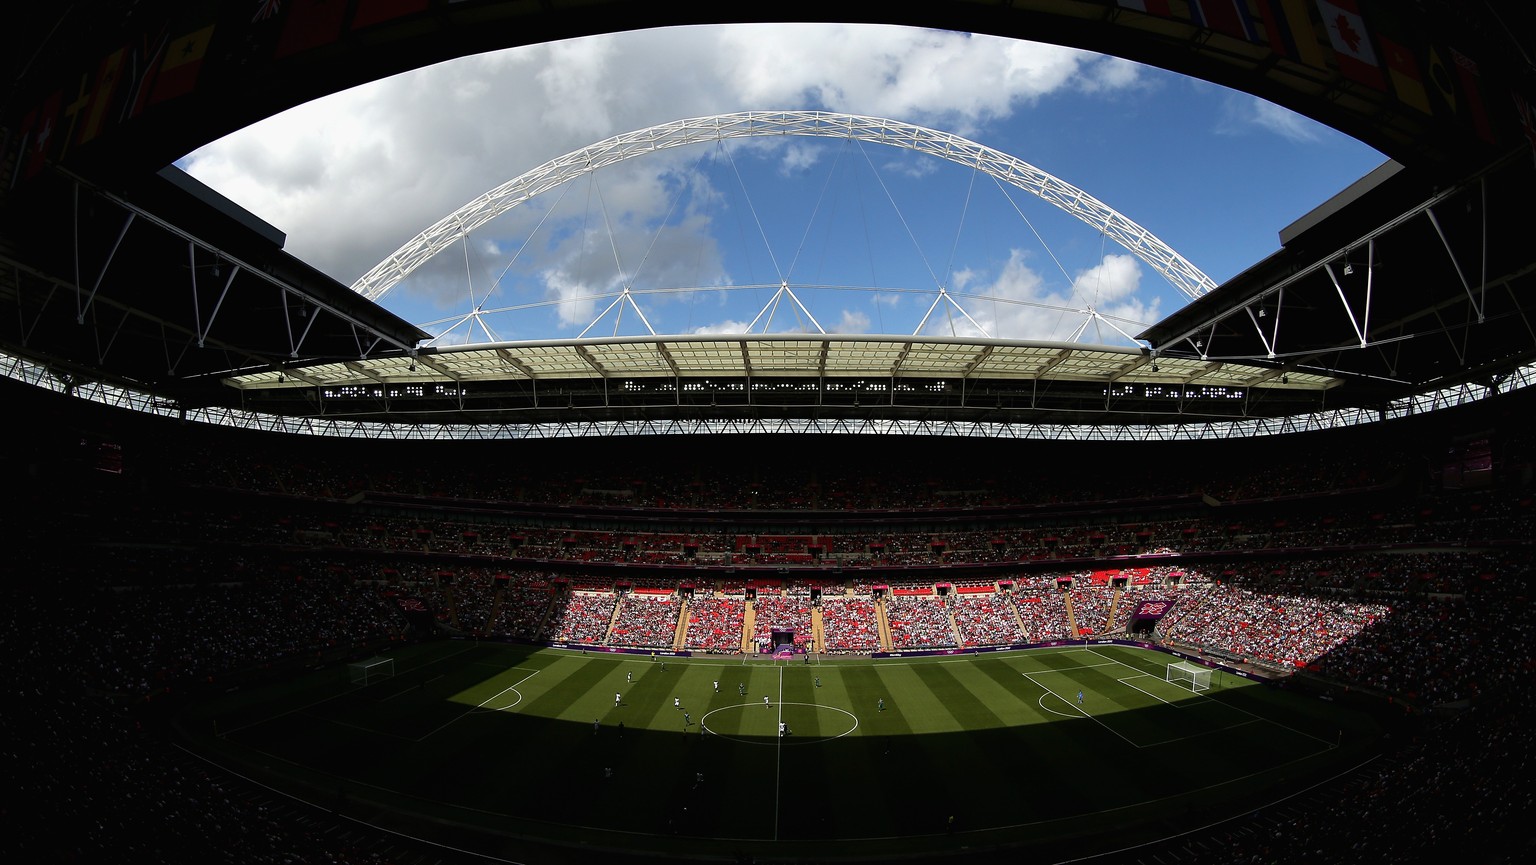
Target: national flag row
{"x":1370,"y":44}
{"x":212,"y":43}
{"x":204,"y":42}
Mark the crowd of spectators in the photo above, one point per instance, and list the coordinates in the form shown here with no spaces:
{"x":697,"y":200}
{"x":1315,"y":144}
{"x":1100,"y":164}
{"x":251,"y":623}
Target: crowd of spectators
{"x":149,"y":638}
{"x":522,"y":611}
{"x":1090,"y":608}
{"x":781,"y":611}
{"x":581,"y":617}
{"x":1043,"y":614}
{"x":715,"y":622}
{"x":987,"y":620}
{"x":1277,"y":628}
{"x":919,"y":622}
{"x":1442,"y":648}
{"x":471,"y":597}
{"x":848,"y":624}
{"x":1343,"y":525}
{"x":835,"y":483}
{"x":1459,"y":789}
{"x":648,"y":621}
{"x":256,"y":563}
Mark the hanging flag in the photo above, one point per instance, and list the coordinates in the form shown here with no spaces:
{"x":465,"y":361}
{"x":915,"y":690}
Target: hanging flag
{"x":1527,"y":117}
{"x":311,"y":24}
{"x":182,"y":62}
{"x":1404,"y":71}
{"x":371,"y":12}
{"x":1400,"y":47}
{"x":1440,"y":78}
{"x":39,"y":129}
{"x":109,"y":73}
{"x":1224,"y":16}
{"x":143,"y":62}
{"x":1471,"y":87}
{"x":1151,"y":7}
{"x":1351,"y":44}
{"x":1288,"y":25}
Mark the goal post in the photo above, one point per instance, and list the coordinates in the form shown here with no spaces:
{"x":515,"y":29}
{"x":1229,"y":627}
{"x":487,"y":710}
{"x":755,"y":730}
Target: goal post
{"x":1192,"y":676}
{"x":370,"y":671}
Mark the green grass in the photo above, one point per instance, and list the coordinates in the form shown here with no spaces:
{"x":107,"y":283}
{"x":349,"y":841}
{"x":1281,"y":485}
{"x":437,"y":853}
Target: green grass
{"x":502,"y":739}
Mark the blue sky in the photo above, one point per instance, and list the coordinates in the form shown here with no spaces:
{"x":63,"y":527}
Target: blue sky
{"x":1213,"y":173}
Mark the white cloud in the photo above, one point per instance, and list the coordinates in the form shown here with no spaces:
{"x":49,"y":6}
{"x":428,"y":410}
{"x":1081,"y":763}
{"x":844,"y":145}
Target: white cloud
{"x":799,"y":156}
{"x":953,"y":80}
{"x":851,"y":321}
{"x":726,"y":326}
{"x":352,"y":176}
{"x":577,"y":301}
{"x":1113,"y":73}
{"x":1242,"y":113}
{"x":1019,"y":304}
{"x":1115,"y":278}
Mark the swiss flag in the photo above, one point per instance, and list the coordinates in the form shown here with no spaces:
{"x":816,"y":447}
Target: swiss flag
{"x":40,"y":131}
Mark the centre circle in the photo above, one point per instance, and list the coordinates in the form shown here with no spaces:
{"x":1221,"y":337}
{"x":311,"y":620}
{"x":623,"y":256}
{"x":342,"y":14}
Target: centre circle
{"x":756,"y":724}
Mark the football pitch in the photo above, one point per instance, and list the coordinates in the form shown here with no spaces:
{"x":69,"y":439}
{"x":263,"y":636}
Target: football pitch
{"x":875,"y":757}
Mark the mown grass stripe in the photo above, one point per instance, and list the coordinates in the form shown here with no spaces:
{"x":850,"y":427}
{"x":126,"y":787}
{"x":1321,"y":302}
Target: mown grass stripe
{"x":921,"y":709}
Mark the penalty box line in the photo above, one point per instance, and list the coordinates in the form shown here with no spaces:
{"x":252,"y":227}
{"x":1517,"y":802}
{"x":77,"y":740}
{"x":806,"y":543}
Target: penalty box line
{"x":1080,"y":711}
{"x":1222,"y":703}
{"x":1127,"y":739}
{"x":1054,"y":669}
{"x":310,"y":705}
{"x":477,"y":707}
{"x":1127,"y":682}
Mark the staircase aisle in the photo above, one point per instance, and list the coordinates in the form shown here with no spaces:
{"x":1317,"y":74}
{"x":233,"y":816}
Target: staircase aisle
{"x":748,"y":626}
{"x":612,"y":620}
{"x":1114,"y":603}
{"x":680,"y":636}
{"x":885,"y":625}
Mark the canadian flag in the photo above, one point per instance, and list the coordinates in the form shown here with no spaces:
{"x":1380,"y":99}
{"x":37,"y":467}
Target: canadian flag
{"x":1351,"y":43}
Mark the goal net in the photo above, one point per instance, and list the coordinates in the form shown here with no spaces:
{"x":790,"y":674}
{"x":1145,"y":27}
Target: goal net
{"x":1192,"y":676}
{"x":371,"y":670}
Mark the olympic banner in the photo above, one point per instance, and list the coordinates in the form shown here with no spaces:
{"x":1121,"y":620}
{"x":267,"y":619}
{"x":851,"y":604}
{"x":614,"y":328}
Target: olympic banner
{"x":1151,"y":610}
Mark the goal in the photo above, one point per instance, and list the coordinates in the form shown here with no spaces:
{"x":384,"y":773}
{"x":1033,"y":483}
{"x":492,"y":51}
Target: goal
{"x":1192,"y":676}
{"x":370,"y":671}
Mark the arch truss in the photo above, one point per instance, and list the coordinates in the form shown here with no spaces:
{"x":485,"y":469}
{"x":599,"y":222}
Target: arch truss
{"x":1140,"y":242}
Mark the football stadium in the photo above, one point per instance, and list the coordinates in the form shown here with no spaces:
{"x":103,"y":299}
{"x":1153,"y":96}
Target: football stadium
{"x":294,"y":579}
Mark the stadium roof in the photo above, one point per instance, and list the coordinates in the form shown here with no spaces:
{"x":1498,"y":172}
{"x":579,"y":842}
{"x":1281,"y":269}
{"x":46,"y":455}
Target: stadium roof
{"x":783,"y":356}
{"x":116,"y":270}
{"x":897,"y":378}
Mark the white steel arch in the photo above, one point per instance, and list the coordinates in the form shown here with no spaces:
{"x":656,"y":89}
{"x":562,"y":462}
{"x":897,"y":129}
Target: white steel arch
{"x":753,"y":124}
